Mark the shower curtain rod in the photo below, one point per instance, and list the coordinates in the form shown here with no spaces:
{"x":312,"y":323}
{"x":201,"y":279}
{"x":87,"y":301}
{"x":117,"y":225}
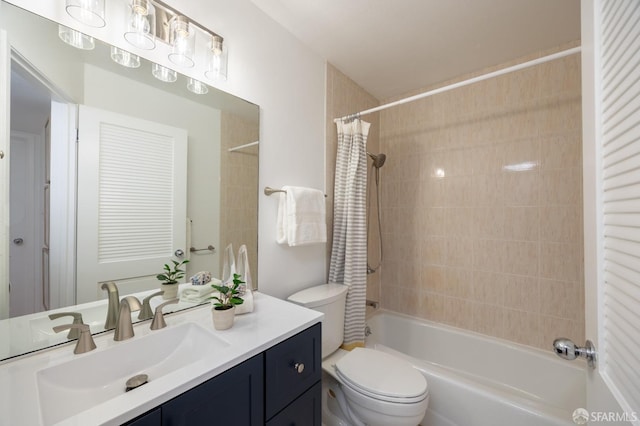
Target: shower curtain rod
{"x":487,"y":76}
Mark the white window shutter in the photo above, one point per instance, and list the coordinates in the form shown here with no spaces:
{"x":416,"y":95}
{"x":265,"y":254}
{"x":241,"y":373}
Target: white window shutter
{"x":620,"y":310}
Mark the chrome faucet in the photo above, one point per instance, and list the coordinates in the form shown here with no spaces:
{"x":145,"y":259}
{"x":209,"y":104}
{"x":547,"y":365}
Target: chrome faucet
{"x":158,"y":319}
{"x":112,"y":310}
{"x":146,"y":312}
{"x":85,"y":341}
{"x":74,"y":333}
{"x":124,"y":327}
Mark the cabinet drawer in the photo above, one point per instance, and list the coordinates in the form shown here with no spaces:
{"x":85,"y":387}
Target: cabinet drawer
{"x":304,"y":411}
{"x":284,"y":382}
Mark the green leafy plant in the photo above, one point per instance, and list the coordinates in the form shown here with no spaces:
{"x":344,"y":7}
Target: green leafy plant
{"x":172,"y":273}
{"x":228,"y":295}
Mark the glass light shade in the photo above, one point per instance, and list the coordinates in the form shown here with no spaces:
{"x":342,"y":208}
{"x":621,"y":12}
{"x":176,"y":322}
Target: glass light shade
{"x":216,"y":67}
{"x":197,"y":87}
{"x":183,"y":42}
{"x":163,"y":73}
{"x":141,"y":24}
{"x":89,"y":12}
{"x":75,"y":38}
{"x":124,"y":58}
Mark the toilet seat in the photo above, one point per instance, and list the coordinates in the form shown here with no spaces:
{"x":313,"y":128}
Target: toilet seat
{"x":381,"y":376}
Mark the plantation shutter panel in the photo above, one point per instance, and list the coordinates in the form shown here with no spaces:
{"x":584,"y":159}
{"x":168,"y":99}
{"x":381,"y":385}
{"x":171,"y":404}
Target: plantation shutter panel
{"x":620,"y":139}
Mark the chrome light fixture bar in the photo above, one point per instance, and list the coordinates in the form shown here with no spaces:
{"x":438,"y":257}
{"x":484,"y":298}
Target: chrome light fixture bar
{"x":148,"y":21}
{"x":180,"y":31}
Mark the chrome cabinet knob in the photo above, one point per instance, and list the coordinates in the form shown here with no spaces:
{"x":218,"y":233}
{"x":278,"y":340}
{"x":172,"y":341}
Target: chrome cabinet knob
{"x":299,"y":367}
{"x":18,"y":241}
{"x":179,"y":253}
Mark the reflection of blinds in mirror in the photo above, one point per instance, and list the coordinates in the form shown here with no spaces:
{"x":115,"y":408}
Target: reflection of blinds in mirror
{"x":135,"y":194}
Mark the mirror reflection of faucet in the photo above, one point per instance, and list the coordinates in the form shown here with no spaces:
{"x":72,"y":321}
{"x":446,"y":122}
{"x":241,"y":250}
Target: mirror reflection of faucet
{"x":146,"y":312}
{"x":114,"y":301}
{"x":74,"y":333}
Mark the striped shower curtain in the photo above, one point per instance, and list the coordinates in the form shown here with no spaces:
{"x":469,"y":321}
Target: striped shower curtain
{"x":349,"y":250}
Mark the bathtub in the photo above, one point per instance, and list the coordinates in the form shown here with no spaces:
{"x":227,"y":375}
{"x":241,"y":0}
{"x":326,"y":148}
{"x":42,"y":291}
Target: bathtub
{"x":476,"y":380}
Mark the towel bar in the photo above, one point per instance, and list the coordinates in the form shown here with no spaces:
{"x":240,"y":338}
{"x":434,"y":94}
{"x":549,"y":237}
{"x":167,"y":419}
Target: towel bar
{"x":209,"y":248}
{"x":269,"y":191}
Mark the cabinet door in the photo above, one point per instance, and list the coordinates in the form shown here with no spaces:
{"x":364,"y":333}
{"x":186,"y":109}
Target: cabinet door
{"x":304,"y":411}
{"x":232,"y":398}
{"x":292,"y":367}
{"x":152,"y":418}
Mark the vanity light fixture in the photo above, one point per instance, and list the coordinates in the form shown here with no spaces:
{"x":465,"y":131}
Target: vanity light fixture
{"x":182,"y":38}
{"x":141,"y":24}
{"x":163,"y":73}
{"x":89,"y":12}
{"x":124,"y":58}
{"x":216,"y":59}
{"x":76,"y":38}
{"x":197,"y":87}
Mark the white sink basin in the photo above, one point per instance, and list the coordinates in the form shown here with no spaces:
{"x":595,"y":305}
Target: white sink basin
{"x":94,"y":378}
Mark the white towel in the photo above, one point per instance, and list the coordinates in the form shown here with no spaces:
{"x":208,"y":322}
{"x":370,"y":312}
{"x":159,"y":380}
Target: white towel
{"x":301,"y":217}
{"x":198,"y":293}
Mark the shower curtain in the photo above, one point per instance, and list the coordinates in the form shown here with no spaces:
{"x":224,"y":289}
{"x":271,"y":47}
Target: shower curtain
{"x":349,"y":250}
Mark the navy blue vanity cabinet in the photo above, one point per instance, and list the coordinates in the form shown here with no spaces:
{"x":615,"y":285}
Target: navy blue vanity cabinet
{"x":235,"y":397}
{"x":278,"y":387}
{"x":293,"y":370}
{"x":304,"y":411}
{"x":152,"y":418}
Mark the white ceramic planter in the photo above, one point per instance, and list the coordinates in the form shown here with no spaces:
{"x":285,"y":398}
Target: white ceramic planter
{"x":170,"y":291}
{"x":223,"y":319}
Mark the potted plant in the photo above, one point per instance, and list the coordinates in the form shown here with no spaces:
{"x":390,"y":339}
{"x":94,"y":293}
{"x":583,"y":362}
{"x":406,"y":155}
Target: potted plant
{"x":224,"y":307}
{"x":169,"y":279}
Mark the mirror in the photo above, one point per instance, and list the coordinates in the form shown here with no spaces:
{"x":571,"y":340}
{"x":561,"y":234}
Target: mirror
{"x":53,"y":181}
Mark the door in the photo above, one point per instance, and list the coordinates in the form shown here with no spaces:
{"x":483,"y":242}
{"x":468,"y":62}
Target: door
{"x":132,"y":188}
{"x":5,"y":102}
{"x":611,"y":147}
{"x":26,"y":212}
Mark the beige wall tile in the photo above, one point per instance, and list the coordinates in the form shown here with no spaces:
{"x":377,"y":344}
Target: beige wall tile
{"x":482,"y":204}
{"x":521,"y":223}
{"x":489,"y":287}
{"x":522,"y":293}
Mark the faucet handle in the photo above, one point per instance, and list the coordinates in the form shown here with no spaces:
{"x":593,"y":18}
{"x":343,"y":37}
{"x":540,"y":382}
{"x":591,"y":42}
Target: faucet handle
{"x":146,"y":312}
{"x":85,"y":341}
{"x":158,"y":319}
{"x":74,"y":333}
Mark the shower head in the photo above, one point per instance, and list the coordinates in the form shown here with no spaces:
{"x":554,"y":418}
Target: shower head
{"x":378,"y":160}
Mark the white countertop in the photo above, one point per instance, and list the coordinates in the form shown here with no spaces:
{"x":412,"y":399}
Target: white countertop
{"x":272,"y":321}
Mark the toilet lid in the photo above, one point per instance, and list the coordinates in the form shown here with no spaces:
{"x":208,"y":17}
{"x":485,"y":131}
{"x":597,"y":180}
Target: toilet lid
{"x":381,"y":375}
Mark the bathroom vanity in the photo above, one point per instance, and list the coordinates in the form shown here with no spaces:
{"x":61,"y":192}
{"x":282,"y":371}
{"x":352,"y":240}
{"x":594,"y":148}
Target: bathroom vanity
{"x":264,"y":370}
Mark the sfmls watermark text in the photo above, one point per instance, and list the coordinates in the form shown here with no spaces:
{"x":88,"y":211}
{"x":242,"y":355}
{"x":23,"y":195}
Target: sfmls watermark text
{"x":582,"y":416}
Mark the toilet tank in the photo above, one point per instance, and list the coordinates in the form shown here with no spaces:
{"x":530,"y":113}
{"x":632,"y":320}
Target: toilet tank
{"x":330,"y":300}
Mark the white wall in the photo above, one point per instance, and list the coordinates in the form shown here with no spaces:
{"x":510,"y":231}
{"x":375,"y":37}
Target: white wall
{"x":269,"y":67}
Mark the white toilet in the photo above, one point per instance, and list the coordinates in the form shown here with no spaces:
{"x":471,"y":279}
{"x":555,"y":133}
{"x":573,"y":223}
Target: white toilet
{"x":362,"y":386}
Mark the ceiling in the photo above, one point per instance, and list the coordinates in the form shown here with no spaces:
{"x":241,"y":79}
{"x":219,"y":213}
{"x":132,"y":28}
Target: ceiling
{"x":392,"y":47}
